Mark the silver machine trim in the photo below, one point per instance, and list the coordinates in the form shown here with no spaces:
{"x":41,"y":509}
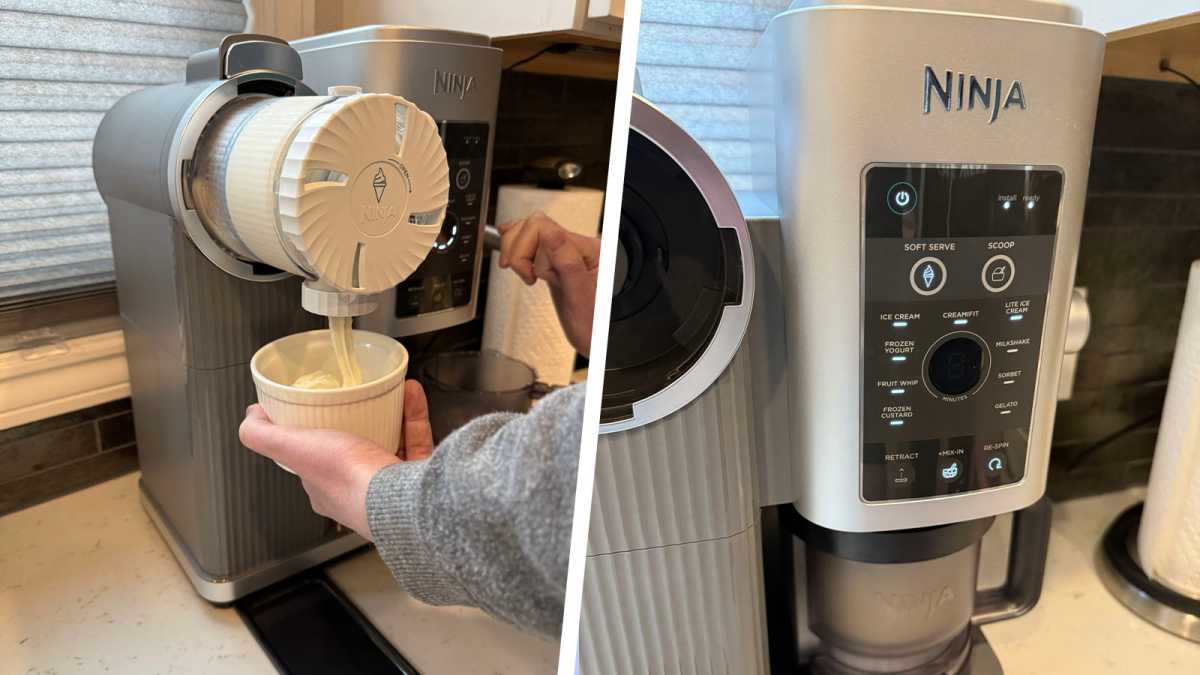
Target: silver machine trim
{"x":191,"y":126}
{"x":735,"y":319}
{"x":225,"y":590}
{"x":814,"y":152}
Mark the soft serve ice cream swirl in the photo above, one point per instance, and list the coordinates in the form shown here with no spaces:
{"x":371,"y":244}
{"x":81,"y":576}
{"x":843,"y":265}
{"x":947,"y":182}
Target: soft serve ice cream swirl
{"x":342,"y":335}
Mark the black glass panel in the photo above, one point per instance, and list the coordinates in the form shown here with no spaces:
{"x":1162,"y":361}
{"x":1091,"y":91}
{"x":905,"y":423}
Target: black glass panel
{"x":929,"y":201}
{"x":446,"y":277}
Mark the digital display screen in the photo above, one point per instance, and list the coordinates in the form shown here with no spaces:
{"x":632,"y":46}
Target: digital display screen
{"x":956,"y":366}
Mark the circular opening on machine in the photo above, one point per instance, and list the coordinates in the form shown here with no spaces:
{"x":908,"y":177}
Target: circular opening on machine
{"x":670,"y":287}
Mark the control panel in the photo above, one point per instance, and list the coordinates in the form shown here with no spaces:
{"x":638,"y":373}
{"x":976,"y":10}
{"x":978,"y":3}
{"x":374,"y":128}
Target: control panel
{"x":956,"y":268}
{"x":448,"y":276}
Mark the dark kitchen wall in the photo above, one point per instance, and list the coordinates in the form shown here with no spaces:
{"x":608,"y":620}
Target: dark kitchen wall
{"x":1141,"y":231}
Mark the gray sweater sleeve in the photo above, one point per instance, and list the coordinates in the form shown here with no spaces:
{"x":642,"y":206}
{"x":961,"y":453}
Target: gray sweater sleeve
{"x":486,"y":521}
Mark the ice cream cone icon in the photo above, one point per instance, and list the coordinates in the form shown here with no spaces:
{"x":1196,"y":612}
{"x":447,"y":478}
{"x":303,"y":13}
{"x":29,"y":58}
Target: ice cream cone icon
{"x":379,"y":182}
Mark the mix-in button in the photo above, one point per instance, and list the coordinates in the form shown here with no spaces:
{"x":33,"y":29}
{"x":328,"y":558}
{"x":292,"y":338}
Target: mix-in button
{"x":950,"y":469}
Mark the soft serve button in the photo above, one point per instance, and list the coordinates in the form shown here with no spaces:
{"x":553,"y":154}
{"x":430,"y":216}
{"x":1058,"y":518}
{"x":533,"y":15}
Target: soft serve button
{"x":927,"y":276}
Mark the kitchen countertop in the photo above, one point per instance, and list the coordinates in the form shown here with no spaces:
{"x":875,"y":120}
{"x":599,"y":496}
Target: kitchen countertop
{"x":87,"y":585}
{"x":1078,"y":626}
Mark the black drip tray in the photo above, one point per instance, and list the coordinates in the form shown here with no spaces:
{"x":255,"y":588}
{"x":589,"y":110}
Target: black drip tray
{"x":307,"y":626}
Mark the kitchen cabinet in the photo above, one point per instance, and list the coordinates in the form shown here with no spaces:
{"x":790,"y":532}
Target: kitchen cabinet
{"x":1137,"y":51}
{"x":612,"y":11}
{"x":592,"y":28}
{"x":589,"y":57}
{"x":597,"y":19}
{"x":1112,"y":16}
{"x":1142,"y":34}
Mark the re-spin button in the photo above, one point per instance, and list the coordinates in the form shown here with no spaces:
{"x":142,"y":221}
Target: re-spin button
{"x":927,"y":276}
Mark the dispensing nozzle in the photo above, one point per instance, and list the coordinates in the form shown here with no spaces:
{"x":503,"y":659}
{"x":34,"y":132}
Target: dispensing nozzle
{"x":326,"y":300}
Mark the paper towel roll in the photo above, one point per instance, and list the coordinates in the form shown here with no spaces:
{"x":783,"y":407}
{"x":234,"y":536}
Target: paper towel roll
{"x":520,"y":320}
{"x":1169,"y":538}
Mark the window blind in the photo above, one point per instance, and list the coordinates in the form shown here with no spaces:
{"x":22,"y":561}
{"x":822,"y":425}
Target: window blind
{"x":62,"y":65}
{"x":692,"y":59}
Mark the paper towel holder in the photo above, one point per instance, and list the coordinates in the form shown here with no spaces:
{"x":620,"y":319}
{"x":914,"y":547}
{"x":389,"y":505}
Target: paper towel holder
{"x":1079,"y":326}
{"x":491,"y":238}
{"x":554,"y":173}
{"x":1122,"y":575}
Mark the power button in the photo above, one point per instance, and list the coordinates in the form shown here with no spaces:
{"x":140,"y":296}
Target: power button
{"x":902,"y":198}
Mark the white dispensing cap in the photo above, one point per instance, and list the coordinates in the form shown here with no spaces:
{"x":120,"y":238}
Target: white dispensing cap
{"x":349,"y":191}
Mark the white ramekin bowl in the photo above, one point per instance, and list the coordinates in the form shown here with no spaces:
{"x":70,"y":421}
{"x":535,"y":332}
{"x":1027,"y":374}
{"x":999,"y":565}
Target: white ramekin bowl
{"x":373,"y":410}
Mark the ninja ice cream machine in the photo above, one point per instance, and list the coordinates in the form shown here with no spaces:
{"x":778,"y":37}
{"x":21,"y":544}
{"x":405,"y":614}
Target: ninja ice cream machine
{"x":345,"y":175}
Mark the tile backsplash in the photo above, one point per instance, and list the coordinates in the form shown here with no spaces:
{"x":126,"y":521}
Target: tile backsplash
{"x":1141,"y":231}
{"x":51,"y":457}
{"x":552,"y":116}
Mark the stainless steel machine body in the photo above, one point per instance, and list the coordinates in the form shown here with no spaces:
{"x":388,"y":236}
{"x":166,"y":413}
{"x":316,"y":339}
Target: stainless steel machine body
{"x":195,"y":312}
{"x":929,"y":244}
{"x":455,"y":77}
{"x":921,"y":175}
{"x":930,"y":197}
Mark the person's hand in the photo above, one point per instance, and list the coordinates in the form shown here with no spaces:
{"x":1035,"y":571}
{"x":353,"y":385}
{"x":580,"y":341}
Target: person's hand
{"x":336,"y":467}
{"x":539,"y":248}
